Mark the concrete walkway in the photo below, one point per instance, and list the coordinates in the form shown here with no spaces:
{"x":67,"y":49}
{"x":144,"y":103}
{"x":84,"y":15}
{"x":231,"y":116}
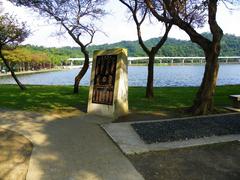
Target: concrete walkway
{"x":71,"y":146}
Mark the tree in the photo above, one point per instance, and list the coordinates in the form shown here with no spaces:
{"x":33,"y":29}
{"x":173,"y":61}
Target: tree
{"x":139,"y":11}
{"x":12,"y":33}
{"x":1,"y":9}
{"x":76,"y":17}
{"x":189,"y":15}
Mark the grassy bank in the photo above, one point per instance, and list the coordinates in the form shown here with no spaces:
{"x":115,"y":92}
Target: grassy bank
{"x":51,"y":98}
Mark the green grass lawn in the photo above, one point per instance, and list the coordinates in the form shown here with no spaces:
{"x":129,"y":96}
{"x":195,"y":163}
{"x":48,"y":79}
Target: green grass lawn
{"x":50,"y":98}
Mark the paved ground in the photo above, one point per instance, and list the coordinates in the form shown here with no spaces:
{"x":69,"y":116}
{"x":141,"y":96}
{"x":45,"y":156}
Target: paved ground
{"x":71,"y":146}
{"x":15,"y":153}
{"x":209,"y":162}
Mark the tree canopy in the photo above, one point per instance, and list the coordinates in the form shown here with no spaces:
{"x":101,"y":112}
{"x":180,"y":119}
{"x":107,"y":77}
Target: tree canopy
{"x":189,"y":15}
{"x":77,"y":17}
{"x":12,"y":33}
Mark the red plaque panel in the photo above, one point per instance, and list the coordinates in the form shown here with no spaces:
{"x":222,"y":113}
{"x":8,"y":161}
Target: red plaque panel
{"x":104,"y":79}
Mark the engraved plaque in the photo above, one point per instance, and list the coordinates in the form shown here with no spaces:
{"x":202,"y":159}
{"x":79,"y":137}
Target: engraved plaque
{"x":108,"y":91}
{"x":104,"y":79}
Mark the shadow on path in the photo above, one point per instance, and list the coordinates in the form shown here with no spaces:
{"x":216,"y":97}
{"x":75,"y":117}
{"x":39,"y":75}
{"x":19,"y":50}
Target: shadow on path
{"x":72,"y":147}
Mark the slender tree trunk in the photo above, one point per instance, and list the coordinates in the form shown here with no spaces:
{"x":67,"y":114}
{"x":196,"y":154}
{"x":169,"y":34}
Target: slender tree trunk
{"x":21,"y":86}
{"x":149,"y":89}
{"x":82,"y":71}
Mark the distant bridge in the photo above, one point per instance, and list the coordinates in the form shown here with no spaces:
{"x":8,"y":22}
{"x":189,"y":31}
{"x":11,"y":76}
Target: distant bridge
{"x":172,"y":60}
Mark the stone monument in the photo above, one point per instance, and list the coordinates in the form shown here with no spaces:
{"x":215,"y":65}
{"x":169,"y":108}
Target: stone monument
{"x":108,"y":93}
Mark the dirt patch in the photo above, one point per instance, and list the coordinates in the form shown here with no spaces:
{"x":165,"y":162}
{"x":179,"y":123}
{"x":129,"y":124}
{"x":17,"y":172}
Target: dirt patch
{"x":15,"y":152}
{"x":135,"y":116}
{"x":217,"y":161}
{"x":145,"y":116}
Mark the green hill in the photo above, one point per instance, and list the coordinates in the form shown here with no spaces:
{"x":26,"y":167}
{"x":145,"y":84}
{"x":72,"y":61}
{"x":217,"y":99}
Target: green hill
{"x":172,"y":47}
{"x":175,"y":47}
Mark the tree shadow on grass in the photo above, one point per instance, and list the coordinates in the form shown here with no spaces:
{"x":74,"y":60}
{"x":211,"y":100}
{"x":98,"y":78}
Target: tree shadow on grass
{"x":43,"y":98}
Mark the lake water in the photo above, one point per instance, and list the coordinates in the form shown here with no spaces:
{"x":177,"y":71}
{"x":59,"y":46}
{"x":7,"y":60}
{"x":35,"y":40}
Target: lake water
{"x":163,"y":76}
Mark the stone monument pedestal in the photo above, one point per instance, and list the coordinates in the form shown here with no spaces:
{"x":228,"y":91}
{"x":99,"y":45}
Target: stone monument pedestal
{"x":108,"y":93}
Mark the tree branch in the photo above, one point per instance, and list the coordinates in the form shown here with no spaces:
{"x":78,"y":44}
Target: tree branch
{"x":214,"y":27}
{"x":155,"y":13}
{"x":163,"y":39}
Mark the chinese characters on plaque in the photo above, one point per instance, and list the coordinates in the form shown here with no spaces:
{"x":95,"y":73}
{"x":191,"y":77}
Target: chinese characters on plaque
{"x":108,"y":91}
{"x":104,"y":79}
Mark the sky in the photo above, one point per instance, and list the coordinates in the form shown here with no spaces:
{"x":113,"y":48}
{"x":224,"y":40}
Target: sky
{"x":116,"y":26}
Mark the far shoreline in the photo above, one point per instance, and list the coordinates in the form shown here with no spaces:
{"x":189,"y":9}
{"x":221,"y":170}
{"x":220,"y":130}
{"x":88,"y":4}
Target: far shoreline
{"x":31,"y":72}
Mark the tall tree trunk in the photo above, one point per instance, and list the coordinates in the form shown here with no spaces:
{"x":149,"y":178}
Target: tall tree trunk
{"x":21,"y":86}
{"x":149,"y":89}
{"x":82,"y":71}
{"x":203,"y":103}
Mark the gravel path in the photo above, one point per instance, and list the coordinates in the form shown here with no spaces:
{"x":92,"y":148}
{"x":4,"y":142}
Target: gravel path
{"x":167,"y":131}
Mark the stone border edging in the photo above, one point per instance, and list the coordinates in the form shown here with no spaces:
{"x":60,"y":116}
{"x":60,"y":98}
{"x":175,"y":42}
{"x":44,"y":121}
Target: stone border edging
{"x":130,"y":143}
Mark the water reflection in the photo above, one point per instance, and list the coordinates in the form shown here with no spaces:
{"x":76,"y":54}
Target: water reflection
{"x":163,"y":76}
